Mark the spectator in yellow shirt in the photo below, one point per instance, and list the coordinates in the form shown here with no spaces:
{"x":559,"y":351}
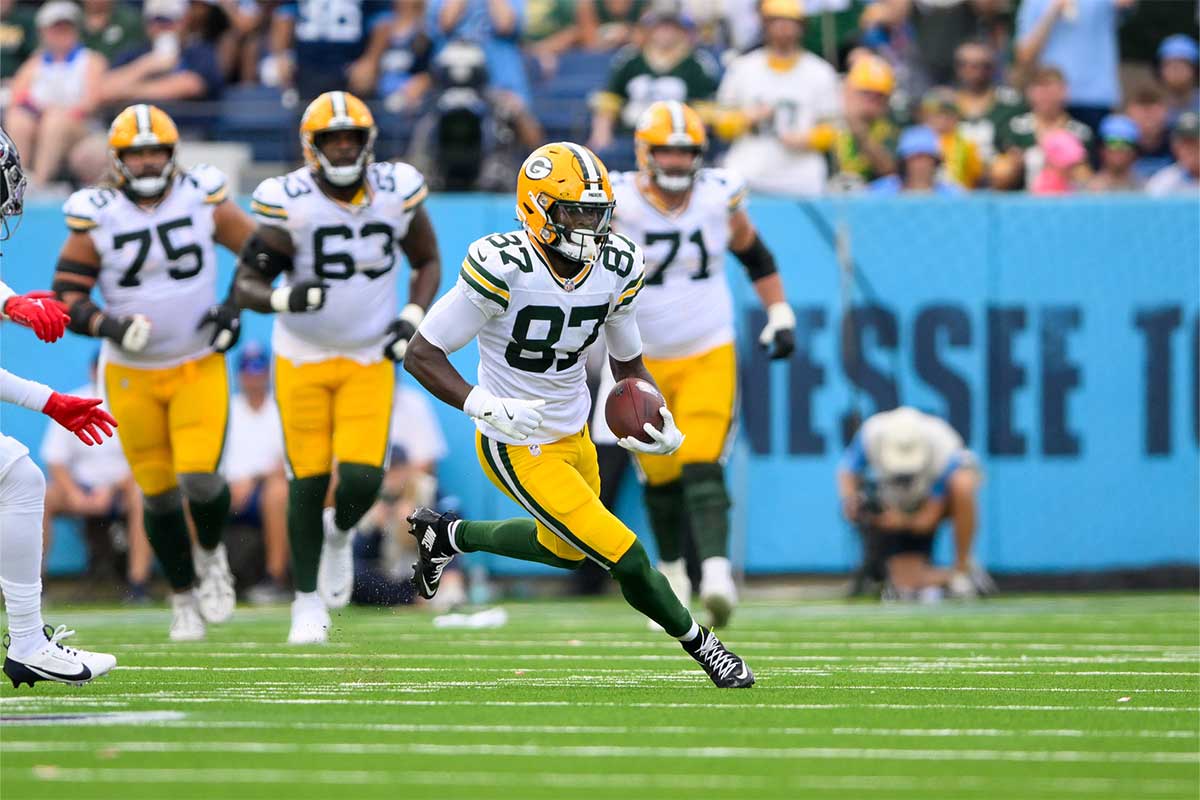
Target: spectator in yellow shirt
{"x":961,"y":163}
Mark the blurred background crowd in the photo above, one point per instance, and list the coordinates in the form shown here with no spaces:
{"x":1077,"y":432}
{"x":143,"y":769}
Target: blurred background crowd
{"x":804,"y":97}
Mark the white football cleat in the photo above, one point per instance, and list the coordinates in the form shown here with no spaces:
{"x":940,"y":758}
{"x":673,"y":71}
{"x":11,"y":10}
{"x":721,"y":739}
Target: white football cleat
{"x":57,"y":662}
{"x":335,"y":572}
{"x":187,"y":624}
{"x":717,"y":590}
{"x":681,"y":585}
{"x":310,"y":620}
{"x":214,"y":584}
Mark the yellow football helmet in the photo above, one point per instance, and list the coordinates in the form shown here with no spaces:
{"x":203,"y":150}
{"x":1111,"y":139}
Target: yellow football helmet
{"x":137,"y":127}
{"x":565,"y":201}
{"x":870,"y":73}
{"x":337,"y":111}
{"x":669,"y":123}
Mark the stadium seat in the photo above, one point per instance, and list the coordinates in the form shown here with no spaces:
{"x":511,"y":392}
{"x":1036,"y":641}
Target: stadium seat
{"x":256,"y":115}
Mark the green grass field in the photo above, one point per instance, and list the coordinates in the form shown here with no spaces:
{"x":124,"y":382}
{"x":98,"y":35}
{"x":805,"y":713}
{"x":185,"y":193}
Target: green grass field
{"x":1022,"y":697}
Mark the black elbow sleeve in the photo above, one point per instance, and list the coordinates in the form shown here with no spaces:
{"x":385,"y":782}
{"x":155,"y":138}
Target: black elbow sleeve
{"x":757,"y":259}
{"x":259,"y":255}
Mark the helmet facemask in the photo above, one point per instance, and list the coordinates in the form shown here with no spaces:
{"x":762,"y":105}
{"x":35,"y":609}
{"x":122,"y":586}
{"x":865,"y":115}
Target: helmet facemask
{"x":674,"y":180}
{"x":12,"y":194}
{"x":146,"y":186}
{"x":581,"y":228}
{"x":346,"y":174}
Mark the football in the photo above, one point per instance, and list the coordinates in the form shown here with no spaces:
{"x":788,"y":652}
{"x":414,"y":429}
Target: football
{"x":630,"y":405}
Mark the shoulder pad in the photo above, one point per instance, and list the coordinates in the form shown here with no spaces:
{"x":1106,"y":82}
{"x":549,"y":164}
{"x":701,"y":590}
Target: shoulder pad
{"x":730,"y":185}
{"x":270,"y":201}
{"x":210,"y":181}
{"x":398,"y":180}
{"x":84,"y":208}
{"x":624,"y":258}
{"x":492,"y":263}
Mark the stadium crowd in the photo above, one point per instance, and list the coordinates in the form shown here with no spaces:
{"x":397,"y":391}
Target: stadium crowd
{"x":885,"y":96}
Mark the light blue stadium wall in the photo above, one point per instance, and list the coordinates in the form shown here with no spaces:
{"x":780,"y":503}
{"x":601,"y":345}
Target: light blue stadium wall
{"x":1019,"y":317}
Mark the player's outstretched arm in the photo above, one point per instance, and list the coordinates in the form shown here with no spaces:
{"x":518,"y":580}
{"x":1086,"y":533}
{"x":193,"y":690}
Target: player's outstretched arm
{"x":267,"y":253}
{"x":451,"y":323}
{"x":421,"y":249}
{"x":39,"y":311}
{"x":76,"y":274}
{"x":778,"y":336}
{"x":81,"y":416}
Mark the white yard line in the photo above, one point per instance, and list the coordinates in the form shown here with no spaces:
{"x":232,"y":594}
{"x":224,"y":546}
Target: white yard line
{"x":667,"y":730}
{"x":622,"y":779}
{"x":460,"y":749}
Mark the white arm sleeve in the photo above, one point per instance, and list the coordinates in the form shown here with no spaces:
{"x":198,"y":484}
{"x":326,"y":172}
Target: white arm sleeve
{"x":28,"y":394}
{"x":5,"y":293}
{"x":622,"y":337}
{"x":452,"y":322}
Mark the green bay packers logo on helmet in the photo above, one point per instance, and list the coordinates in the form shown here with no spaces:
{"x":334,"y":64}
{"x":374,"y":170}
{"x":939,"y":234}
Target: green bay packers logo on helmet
{"x":538,"y":167}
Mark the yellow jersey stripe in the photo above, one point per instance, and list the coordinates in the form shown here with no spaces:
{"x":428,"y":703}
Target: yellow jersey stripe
{"x":218,"y":196}
{"x":738,"y":199}
{"x":416,"y":197}
{"x":478,"y":278}
{"x":81,"y":223}
{"x":268,"y":211}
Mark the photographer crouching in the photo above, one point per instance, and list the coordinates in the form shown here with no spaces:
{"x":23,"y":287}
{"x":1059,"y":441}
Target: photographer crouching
{"x":902,"y":475}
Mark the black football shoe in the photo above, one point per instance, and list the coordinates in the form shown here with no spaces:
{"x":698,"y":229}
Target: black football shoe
{"x":726,"y":669}
{"x":434,"y":551}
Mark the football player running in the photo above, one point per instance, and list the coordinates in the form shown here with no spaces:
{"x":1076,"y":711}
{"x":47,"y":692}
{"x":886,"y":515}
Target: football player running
{"x":35,"y":653}
{"x":145,"y":236}
{"x":686,"y":216}
{"x":536,"y":299}
{"x":334,"y":230}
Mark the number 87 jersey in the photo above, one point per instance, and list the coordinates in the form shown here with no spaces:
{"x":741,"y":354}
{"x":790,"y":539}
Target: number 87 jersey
{"x":353,"y":248}
{"x":539,"y":324}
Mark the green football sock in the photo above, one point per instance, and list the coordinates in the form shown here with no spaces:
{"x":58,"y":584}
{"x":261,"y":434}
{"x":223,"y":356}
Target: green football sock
{"x":647,"y":590}
{"x":358,"y":486}
{"x":167,"y":532}
{"x":707,"y":505}
{"x":664,"y":504}
{"x":515,"y":538}
{"x":306,"y":532}
{"x":210,"y":517}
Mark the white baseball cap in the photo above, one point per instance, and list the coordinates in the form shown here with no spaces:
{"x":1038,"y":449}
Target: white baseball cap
{"x":165,"y":9}
{"x":57,"y":11}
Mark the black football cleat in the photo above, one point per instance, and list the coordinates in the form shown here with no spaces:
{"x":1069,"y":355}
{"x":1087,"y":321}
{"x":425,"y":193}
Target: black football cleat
{"x":726,"y":669}
{"x":434,"y":552}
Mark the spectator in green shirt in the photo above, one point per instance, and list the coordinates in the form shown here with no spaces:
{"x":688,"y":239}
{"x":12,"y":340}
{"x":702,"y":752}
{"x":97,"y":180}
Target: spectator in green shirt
{"x":18,"y":37}
{"x":667,"y":67}
{"x":983,"y":106}
{"x":110,"y":27}
{"x":1020,"y":156}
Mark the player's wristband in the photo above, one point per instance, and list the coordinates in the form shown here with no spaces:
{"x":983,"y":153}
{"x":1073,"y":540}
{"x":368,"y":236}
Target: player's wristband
{"x":280,"y":298}
{"x":413,"y":314}
{"x":477,"y":402}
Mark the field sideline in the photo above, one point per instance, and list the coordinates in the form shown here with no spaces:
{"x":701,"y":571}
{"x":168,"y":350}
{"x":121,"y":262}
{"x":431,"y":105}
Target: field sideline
{"x":1022,"y":697}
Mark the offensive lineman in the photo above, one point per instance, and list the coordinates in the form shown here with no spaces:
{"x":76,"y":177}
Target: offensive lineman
{"x":537,"y":298}
{"x":333,"y":227}
{"x":146,"y":237}
{"x":686,"y":217}
{"x":35,"y":653}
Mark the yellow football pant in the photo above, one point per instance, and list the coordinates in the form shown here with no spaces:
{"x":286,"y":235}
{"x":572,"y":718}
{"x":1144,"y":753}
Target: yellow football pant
{"x":701,"y":392}
{"x":559,"y":484}
{"x":330,"y":409}
{"x":172,"y":420}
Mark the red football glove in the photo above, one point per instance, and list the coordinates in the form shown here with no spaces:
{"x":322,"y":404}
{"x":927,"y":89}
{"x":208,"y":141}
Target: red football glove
{"x":40,"y":311}
{"x":82,"y":416}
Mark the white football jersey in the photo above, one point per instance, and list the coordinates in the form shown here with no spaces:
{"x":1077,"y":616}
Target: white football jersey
{"x":539,"y":325}
{"x":686,"y":307}
{"x":354,"y":249}
{"x":157,"y":261}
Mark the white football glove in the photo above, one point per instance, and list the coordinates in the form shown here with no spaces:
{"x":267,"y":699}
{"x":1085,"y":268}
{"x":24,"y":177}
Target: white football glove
{"x":665,"y":442}
{"x":515,"y":418}
{"x":136,"y":335}
{"x":778,"y":336}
